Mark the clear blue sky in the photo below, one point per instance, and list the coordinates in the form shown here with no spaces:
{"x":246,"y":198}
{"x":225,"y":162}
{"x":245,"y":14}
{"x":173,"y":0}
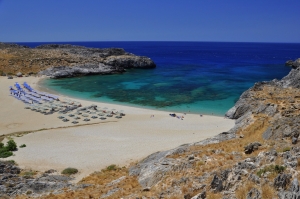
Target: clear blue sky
{"x":150,"y":20}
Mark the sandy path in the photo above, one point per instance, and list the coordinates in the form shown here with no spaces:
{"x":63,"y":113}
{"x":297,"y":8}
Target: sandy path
{"x":93,"y":147}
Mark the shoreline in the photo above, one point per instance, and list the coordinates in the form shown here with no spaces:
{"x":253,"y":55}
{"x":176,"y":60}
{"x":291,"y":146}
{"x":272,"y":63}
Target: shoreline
{"x":44,"y":88}
{"x":58,"y":145}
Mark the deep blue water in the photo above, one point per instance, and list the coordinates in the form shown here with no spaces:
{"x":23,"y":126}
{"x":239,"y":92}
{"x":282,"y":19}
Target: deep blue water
{"x":200,"y":77}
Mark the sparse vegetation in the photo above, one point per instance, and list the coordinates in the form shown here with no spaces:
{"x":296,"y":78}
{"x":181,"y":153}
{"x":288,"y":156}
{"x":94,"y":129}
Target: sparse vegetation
{"x":285,"y":149}
{"x":69,"y":171}
{"x":11,"y":145}
{"x":6,"y":151}
{"x":23,"y":145}
{"x":272,"y":169}
{"x":111,"y":167}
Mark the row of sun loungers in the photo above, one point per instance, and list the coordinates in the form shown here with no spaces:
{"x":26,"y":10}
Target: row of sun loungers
{"x":48,"y":104}
{"x":30,"y":95}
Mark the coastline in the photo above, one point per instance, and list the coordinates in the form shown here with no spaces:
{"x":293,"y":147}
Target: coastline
{"x":93,"y":147}
{"x":44,"y":88}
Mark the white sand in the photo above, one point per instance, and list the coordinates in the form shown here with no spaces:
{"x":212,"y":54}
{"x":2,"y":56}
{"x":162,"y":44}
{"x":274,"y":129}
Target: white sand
{"x":91,"y":148}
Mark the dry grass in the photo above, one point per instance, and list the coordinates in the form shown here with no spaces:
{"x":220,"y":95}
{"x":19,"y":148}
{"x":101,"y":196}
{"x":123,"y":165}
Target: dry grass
{"x":242,"y":192}
{"x":211,"y":195}
{"x":267,"y":192}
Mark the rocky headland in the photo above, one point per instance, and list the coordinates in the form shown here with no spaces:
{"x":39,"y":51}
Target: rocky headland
{"x":258,"y":158}
{"x":64,"y":60}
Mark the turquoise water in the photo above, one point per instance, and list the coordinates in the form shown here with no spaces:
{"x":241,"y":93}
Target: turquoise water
{"x":196,"y":77}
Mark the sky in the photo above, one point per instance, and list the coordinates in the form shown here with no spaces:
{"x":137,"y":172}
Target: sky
{"x":150,"y":20}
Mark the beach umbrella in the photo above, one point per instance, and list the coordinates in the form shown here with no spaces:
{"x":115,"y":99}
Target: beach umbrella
{"x":85,"y":115}
{"x":86,"y":119}
{"x":94,"y":117}
{"x":61,"y":117}
{"x":77,"y":118}
{"x":74,"y":122}
{"x":94,"y":105}
{"x":102,"y":118}
{"x":65,"y":120}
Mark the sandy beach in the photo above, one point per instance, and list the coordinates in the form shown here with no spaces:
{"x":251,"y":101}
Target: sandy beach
{"x":99,"y":143}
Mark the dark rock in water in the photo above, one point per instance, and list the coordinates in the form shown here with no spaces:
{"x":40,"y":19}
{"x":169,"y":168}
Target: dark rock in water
{"x":282,"y":180}
{"x":216,"y":184}
{"x":294,"y":64}
{"x":253,"y":194}
{"x":251,"y":147}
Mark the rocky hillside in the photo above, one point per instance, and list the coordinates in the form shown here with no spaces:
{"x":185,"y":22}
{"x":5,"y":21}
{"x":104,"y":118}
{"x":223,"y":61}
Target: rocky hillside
{"x":67,"y":60}
{"x":258,"y":158}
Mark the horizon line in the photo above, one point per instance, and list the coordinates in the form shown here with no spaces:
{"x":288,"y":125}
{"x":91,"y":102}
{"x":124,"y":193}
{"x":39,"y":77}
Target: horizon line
{"x":155,"y":41}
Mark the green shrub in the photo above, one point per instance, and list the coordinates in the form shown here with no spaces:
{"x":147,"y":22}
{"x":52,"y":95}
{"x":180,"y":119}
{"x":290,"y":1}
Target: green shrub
{"x":272,"y":169}
{"x":1,"y":145}
{"x":6,"y":151}
{"x":23,"y":145}
{"x":5,"y":154}
{"x":11,"y":145}
{"x":111,"y":167}
{"x":285,"y":149}
{"x":69,"y":171}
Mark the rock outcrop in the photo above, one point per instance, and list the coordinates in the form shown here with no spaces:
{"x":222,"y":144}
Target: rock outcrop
{"x":12,"y":183}
{"x":293,"y":64}
{"x":67,"y":60}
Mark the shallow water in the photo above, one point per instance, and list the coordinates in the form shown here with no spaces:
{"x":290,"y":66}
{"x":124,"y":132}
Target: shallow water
{"x":197,"y":77}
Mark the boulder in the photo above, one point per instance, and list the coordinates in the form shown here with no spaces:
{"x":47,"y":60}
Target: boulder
{"x":9,"y":77}
{"x":19,"y":74}
{"x":282,"y":180}
{"x":251,"y":147}
{"x":216,"y":184}
{"x":253,"y":194}
{"x":294,"y":140}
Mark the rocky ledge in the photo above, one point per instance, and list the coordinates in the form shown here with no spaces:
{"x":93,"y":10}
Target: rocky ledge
{"x":64,"y":60}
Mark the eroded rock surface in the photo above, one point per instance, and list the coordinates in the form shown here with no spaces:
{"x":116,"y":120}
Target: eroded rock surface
{"x":64,"y":60}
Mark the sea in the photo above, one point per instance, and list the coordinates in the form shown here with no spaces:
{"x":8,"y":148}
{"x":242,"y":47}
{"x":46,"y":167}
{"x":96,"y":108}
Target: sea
{"x":190,"y":77}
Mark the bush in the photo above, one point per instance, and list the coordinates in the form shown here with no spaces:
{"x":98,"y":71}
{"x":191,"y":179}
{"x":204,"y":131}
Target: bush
{"x":272,"y":169}
{"x":69,"y":171}
{"x":11,"y":145}
{"x":5,"y":154}
{"x":23,"y":145}
{"x":1,"y":145}
{"x":111,"y":167}
{"x":6,"y":151}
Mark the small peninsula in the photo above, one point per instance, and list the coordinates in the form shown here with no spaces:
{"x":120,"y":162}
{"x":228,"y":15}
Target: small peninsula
{"x":65,"y":60}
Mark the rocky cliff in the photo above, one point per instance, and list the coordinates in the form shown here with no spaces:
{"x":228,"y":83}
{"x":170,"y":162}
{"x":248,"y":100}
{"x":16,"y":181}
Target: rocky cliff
{"x":66,"y":60}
